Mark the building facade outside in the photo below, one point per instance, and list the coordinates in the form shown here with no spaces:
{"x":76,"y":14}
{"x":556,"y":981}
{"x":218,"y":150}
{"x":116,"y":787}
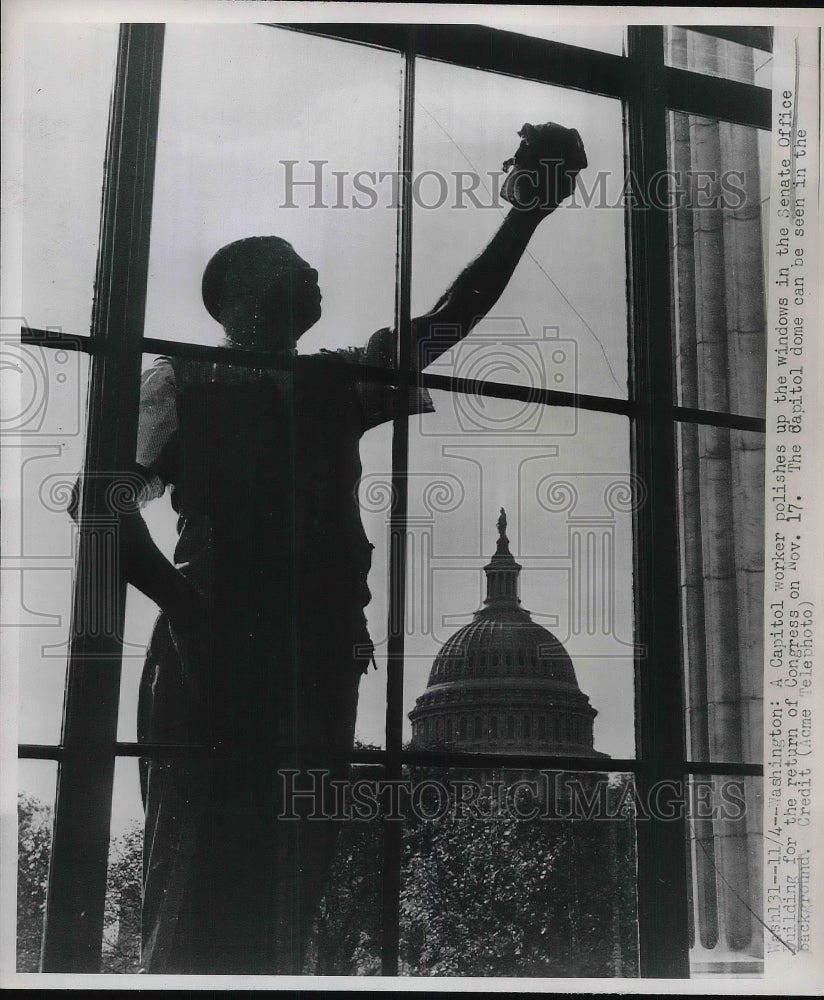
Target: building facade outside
{"x":504,"y":682}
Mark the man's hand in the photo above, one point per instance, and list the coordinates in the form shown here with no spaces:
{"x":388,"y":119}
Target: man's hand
{"x":543,"y":171}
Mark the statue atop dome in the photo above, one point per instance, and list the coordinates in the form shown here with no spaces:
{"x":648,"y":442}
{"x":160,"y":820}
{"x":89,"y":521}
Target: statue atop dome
{"x":503,"y":542}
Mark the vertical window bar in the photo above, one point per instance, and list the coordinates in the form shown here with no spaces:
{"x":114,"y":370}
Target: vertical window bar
{"x":662,"y":874}
{"x":77,"y":874}
{"x":393,"y":828}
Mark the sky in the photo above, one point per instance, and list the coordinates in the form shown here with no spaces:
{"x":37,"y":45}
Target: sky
{"x":237,"y":101}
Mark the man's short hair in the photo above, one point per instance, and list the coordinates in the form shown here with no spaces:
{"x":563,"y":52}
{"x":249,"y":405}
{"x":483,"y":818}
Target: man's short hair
{"x":214,"y":287}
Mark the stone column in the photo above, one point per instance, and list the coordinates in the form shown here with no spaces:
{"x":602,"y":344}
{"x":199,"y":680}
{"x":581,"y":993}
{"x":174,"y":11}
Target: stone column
{"x":720,"y":365}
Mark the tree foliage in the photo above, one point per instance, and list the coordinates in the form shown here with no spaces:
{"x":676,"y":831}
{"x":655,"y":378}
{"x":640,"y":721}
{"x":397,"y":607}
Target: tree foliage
{"x":121,"y":935}
{"x":479,"y":897}
{"x":488,"y":897}
{"x":348,"y":930}
{"x":124,"y":881}
{"x":514,"y":898}
{"x":34,"y":822}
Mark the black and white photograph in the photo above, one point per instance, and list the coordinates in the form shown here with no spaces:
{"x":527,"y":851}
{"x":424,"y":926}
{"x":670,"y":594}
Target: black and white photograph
{"x":411,"y":465}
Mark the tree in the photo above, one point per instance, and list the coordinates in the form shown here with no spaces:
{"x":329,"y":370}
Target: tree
{"x":510,"y":897}
{"x":124,"y":886}
{"x":348,"y":929}
{"x":479,"y":897}
{"x":34,"y":824}
{"x":500,"y":896}
{"x":121,"y":935}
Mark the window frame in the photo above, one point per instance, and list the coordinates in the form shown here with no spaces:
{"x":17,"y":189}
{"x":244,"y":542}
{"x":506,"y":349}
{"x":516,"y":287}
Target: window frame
{"x":86,"y":755}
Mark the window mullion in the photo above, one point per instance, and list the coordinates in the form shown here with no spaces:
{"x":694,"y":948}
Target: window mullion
{"x":77,"y":875}
{"x":662,"y":882}
{"x":397,"y":528}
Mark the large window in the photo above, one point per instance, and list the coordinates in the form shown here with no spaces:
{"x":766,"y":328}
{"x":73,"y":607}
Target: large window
{"x":613,"y":403}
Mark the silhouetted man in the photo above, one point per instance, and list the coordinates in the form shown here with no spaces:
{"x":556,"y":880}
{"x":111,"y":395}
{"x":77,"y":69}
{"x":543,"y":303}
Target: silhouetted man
{"x":262,"y":638}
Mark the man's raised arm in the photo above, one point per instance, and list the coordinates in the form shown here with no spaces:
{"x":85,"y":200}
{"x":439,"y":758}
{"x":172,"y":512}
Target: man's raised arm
{"x":546,"y":166}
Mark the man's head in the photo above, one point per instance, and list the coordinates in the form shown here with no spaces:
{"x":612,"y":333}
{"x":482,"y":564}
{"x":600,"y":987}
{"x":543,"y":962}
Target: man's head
{"x":262,"y":292}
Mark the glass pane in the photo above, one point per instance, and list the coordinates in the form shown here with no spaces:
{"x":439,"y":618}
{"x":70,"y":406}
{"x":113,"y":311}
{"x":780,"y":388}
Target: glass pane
{"x":604,"y":38}
{"x":68,"y":74}
{"x":267,"y":131}
{"x":721,"y":513}
{"x":719,"y":200}
{"x":548,"y":329}
{"x":483,"y":673}
{"x":39,"y":557}
{"x":35,"y":810}
{"x":124,"y":882}
{"x":376,"y":451}
{"x":726,"y":876}
{"x":702,"y":53}
{"x":527,"y":873}
{"x":141,"y":612}
{"x":346,"y":938}
{"x":141,"y":615}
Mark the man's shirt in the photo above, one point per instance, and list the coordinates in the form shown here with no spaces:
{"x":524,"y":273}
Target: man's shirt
{"x":265,"y":464}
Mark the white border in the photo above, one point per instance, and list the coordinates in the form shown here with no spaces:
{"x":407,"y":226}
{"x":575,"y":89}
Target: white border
{"x":15,"y":13}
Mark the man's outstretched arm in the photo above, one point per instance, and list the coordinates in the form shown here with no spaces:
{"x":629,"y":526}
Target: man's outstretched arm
{"x":547,"y":163}
{"x":475,"y":291}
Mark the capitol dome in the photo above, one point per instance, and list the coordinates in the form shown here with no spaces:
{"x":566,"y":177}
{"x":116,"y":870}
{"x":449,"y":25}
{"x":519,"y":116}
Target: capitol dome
{"x":503,"y":682}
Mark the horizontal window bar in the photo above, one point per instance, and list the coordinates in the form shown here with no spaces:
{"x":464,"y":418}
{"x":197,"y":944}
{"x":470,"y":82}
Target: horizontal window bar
{"x":441,"y":758}
{"x":528,"y":394}
{"x":191,"y":751}
{"x":479,"y":47}
{"x":559,"y":64}
{"x":36,"y":337}
{"x":686,"y":414}
{"x":371,"y":373}
{"x":360,"y":373}
{"x":37,"y":751}
{"x":201,"y":352}
{"x":712,"y":97}
{"x":727,"y":767}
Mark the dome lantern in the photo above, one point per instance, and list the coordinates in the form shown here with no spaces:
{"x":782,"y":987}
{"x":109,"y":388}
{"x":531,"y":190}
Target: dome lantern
{"x":502,"y":571}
